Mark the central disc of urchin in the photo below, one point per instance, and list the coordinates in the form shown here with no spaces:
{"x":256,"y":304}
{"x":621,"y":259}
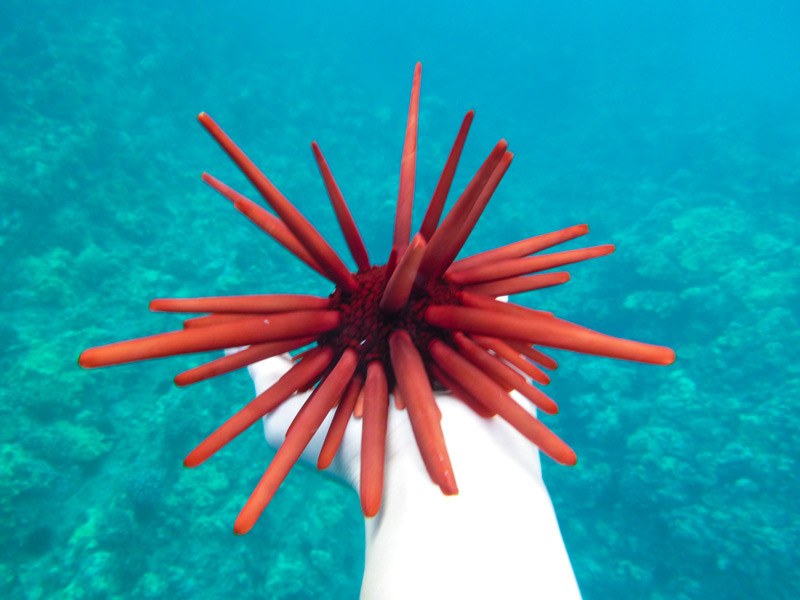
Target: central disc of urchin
{"x":366,"y":328}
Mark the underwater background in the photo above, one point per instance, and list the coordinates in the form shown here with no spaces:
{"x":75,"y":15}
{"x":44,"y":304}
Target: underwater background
{"x":671,"y":128}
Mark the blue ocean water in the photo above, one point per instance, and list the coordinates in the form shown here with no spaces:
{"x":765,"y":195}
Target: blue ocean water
{"x":671,"y":128}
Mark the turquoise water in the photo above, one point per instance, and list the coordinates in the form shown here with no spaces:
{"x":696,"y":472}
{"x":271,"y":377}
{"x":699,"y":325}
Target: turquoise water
{"x":671,"y":128}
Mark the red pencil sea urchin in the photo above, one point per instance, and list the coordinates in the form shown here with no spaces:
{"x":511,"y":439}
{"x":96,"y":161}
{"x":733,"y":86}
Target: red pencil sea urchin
{"x":420,"y":319}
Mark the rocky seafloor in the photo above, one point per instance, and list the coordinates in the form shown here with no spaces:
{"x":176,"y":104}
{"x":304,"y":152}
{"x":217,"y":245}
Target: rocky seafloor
{"x":687,"y":482}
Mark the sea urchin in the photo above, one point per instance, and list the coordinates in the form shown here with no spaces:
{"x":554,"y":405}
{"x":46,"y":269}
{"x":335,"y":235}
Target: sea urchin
{"x":422,"y":320}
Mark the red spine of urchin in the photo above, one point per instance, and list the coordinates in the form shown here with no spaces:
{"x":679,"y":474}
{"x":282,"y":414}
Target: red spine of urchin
{"x":373,"y":438}
{"x":408,"y":167}
{"x":423,"y":319}
{"x":435,"y":208}
{"x":309,"y":237}
{"x":267,"y":222}
{"x":252,"y":330}
{"x":519,"y":249}
{"x":344,"y":410}
{"x":294,"y":379}
{"x":237,"y":360}
{"x":346,"y":222}
{"x":303,"y":429}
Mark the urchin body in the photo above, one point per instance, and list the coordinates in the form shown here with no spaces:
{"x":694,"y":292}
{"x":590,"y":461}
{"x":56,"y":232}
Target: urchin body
{"x":421,"y":320}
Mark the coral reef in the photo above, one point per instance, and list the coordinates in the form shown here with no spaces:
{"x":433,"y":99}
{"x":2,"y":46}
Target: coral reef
{"x":687,"y":482}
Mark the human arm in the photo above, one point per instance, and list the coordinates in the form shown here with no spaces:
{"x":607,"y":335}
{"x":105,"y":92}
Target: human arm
{"x":498,"y":538}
